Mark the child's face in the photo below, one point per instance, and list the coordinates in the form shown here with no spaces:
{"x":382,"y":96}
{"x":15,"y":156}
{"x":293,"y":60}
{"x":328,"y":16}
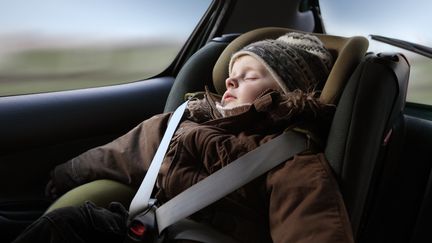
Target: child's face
{"x":248,"y":79}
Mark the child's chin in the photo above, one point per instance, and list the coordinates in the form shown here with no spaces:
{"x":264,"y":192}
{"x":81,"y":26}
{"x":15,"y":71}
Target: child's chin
{"x":229,"y":105}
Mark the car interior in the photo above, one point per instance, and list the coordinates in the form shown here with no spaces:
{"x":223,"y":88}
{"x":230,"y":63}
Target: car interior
{"x":377,"y":146}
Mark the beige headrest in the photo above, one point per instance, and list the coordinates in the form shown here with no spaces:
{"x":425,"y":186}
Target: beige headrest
{"x":347,"y":53}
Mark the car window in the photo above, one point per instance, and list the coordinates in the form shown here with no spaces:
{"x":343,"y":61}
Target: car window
{"x":50,"y":45}
{"x":405,"y":20}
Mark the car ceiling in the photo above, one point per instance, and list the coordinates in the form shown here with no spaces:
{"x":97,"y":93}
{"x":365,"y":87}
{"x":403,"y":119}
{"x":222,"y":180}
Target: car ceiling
{"x":247,"y":15}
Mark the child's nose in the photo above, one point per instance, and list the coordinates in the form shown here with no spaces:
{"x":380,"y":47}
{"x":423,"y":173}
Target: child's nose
{"x":231,"y":83}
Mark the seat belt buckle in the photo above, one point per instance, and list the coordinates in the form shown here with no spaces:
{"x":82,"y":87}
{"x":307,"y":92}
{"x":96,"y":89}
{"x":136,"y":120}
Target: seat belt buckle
{"x":143,"y":227}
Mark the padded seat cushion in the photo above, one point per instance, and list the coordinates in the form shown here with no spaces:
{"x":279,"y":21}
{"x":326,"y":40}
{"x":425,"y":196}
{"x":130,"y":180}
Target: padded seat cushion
{"x":101,"y":192}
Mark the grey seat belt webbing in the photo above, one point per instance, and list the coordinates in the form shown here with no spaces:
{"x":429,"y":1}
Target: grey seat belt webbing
{"x":231,"y":177}
{"x":141,"y":199}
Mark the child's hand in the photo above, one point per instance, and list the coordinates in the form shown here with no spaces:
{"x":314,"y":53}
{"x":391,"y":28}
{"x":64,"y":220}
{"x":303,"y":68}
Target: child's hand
{"x":51,"y":190}
{"x":54,"y":189}
{"x":60,"y":181}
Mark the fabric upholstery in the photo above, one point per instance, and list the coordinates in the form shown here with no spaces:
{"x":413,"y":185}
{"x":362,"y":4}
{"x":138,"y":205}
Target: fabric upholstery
{"x":101,"y":192}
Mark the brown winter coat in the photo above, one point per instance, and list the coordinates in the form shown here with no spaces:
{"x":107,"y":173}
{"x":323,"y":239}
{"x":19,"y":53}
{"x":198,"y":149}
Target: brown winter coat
{"x":298,"y":201}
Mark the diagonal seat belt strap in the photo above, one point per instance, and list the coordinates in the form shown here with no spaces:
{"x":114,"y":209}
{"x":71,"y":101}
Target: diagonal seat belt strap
{"x":230,"y":178}
{"x":141,"y":200}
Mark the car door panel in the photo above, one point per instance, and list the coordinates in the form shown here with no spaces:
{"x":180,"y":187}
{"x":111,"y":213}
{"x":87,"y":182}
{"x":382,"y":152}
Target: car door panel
{"x":39,"y":131}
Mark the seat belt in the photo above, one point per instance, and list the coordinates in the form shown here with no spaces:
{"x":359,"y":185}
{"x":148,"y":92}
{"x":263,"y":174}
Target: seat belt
{"x":217,"y":185}
{"x":230,"y":178}
{"x":141,"y":200}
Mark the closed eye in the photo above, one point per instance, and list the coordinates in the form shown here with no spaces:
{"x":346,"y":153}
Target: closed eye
{"x":251,"y":78}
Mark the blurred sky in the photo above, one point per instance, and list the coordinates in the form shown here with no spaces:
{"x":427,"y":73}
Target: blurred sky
{"x":101,"y":18}
{"x":401,"y":19}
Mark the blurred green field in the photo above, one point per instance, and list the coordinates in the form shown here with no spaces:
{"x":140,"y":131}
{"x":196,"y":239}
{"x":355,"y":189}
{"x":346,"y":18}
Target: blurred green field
{"x":420,"y":84}
{"x":46,"y":70}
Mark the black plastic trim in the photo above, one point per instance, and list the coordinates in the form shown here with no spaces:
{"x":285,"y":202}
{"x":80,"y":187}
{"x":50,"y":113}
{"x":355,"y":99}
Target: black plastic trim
{"x":40,"y":119}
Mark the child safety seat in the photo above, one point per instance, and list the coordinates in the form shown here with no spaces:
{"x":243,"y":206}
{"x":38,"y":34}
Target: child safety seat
{"x":369,"y":92}
{"x":363,"y":141}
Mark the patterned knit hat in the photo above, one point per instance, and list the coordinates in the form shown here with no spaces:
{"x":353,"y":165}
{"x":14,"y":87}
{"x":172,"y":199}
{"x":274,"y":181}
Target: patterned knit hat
{"x":296,"y":60}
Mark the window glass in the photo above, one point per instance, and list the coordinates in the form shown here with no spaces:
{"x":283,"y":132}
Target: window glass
{"x":49,"y":45}
{"x":405,"y":20}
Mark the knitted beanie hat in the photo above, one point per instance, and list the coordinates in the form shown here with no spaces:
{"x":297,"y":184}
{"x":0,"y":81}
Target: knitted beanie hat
{"x":295,"y":60}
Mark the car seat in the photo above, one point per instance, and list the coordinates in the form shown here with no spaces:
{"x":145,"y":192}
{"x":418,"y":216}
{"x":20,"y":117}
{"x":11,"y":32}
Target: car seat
{"x":369,"y":91}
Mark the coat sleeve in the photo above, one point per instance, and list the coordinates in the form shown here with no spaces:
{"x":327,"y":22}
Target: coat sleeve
{"x":125,"y":159}
{"x":305,"y":204}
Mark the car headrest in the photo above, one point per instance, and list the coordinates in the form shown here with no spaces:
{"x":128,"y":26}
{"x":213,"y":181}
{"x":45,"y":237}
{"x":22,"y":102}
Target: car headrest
{"x":347,"y":53}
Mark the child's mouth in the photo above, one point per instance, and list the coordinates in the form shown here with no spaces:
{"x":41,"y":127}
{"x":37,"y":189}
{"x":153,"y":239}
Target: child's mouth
{"x":229,"y":97}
